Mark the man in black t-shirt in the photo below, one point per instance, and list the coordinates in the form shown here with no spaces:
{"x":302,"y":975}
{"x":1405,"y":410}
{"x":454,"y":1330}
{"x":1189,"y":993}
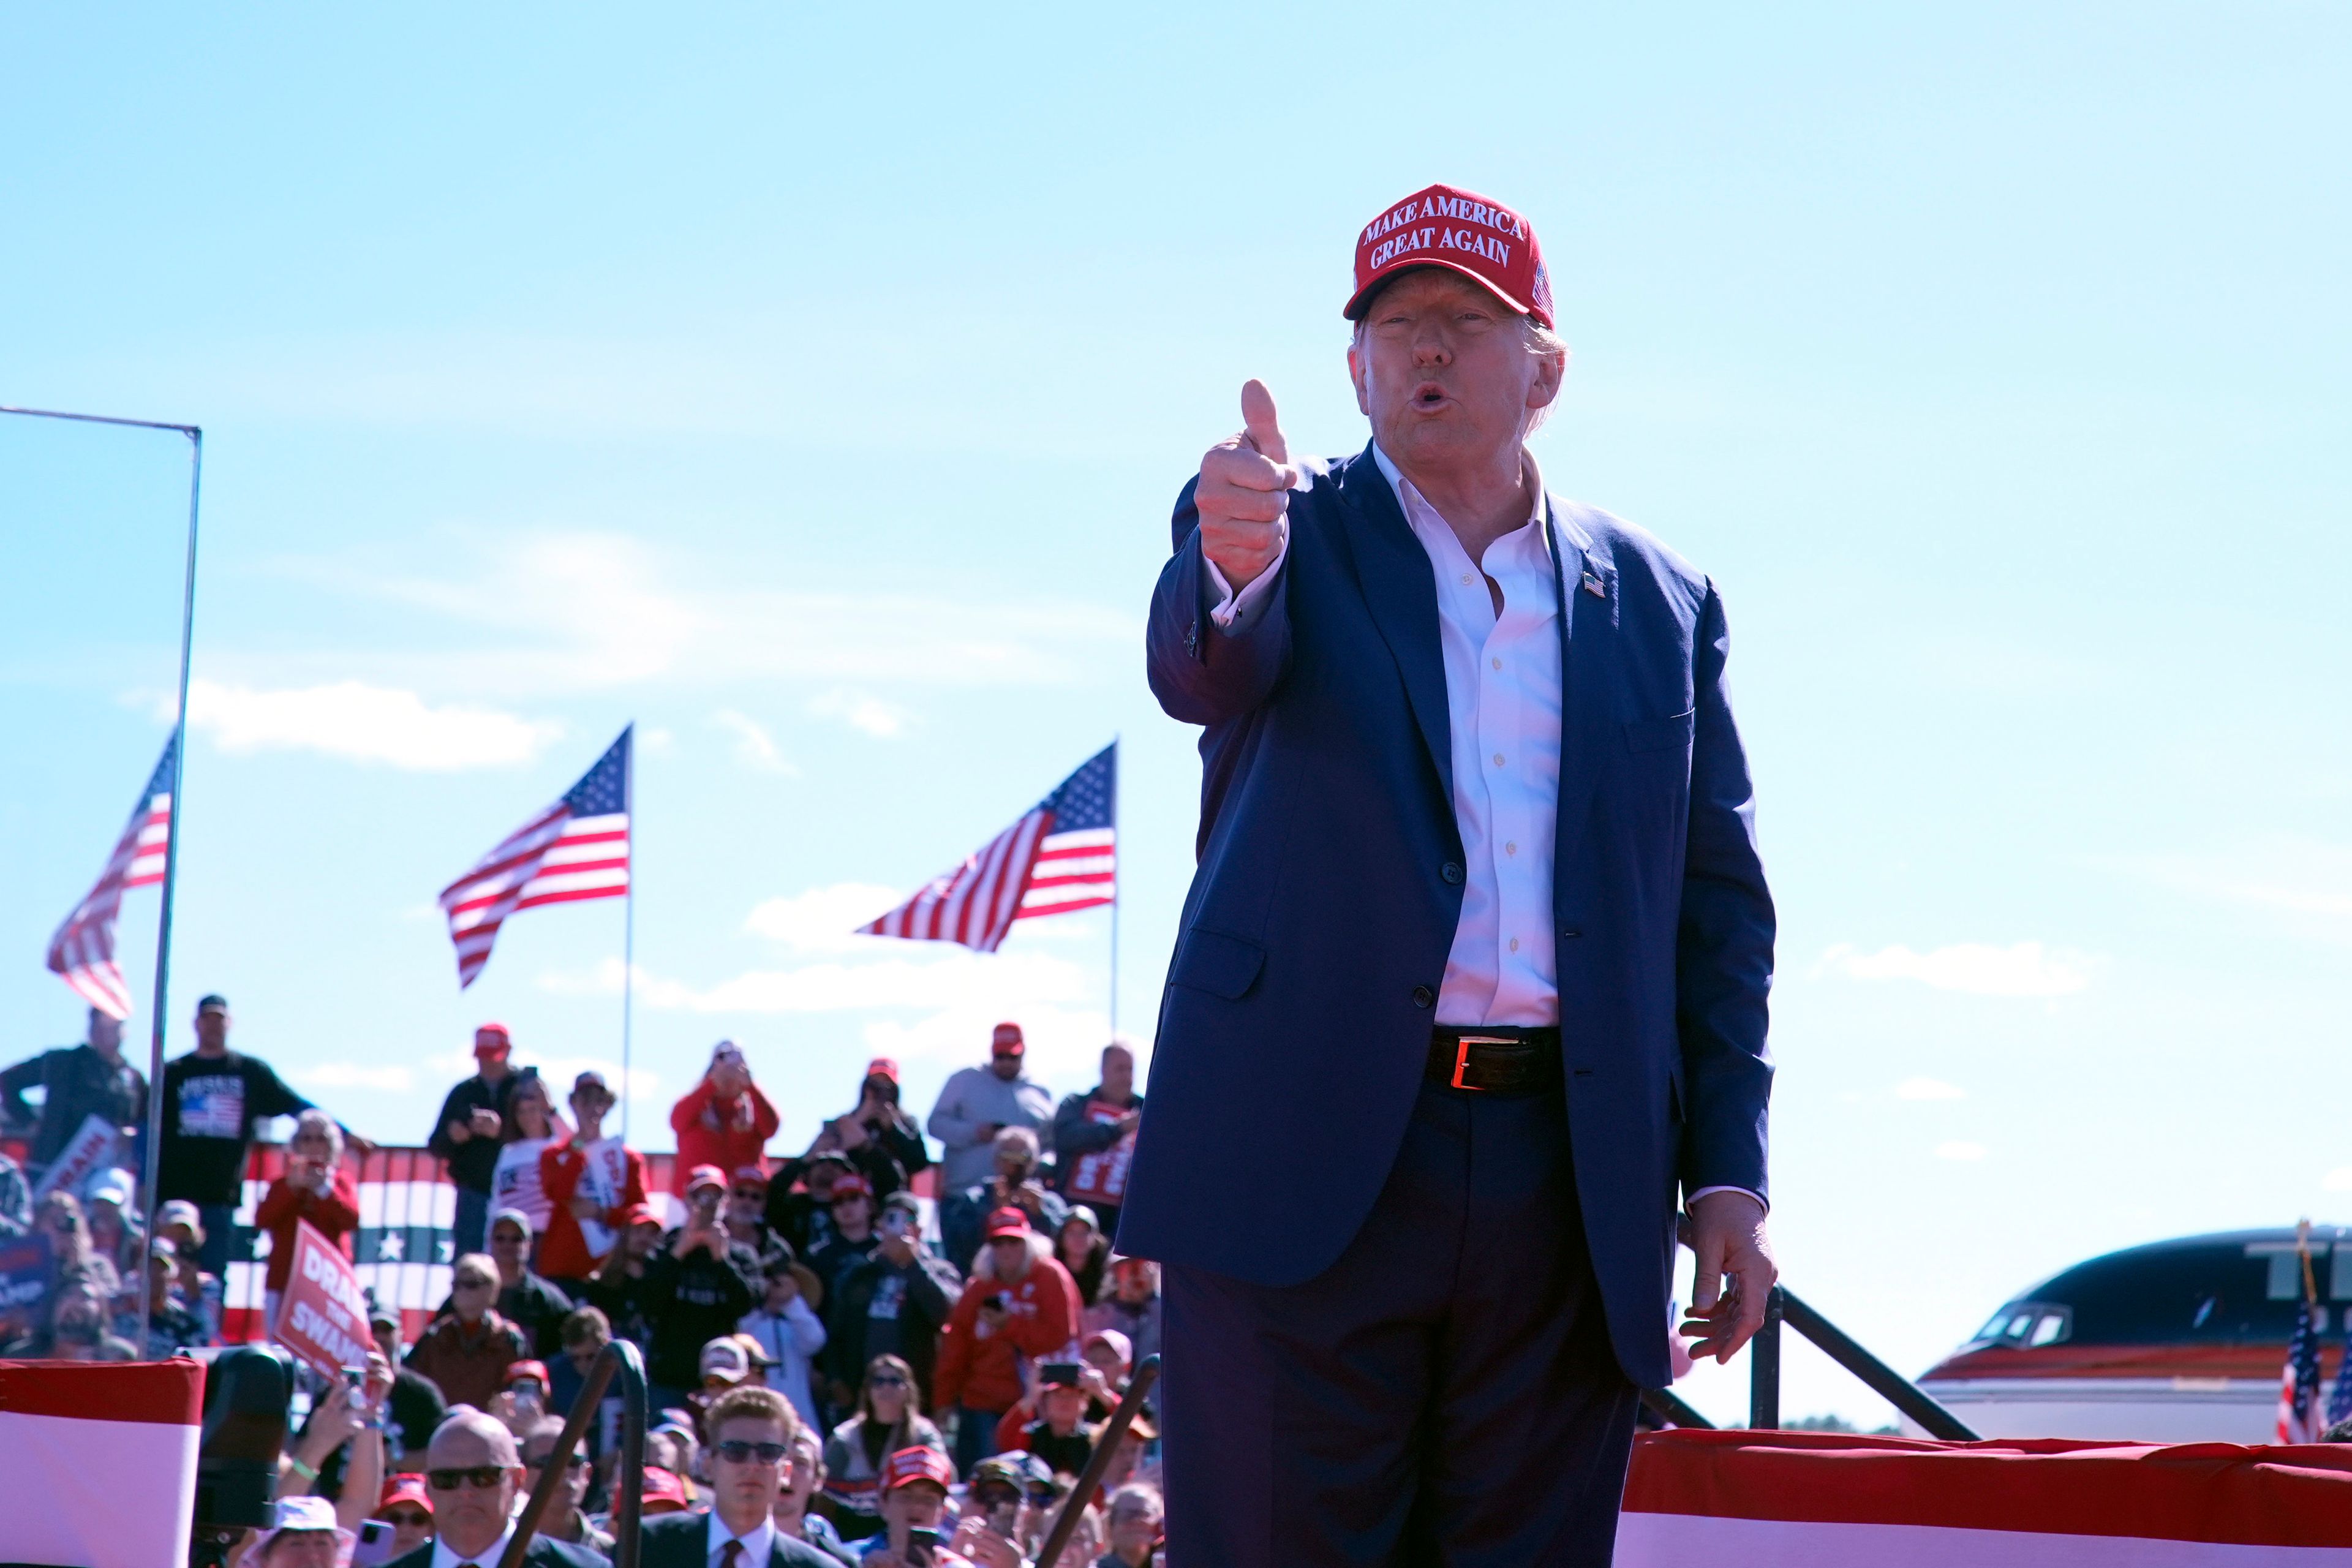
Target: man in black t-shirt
{"x":466,"y":1135}
{"x":76,"y":1082}
{"x":212,"y":1098}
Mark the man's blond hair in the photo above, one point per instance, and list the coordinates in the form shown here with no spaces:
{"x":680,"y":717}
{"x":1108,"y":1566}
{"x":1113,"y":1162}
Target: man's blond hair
{"x":756,"y":1401}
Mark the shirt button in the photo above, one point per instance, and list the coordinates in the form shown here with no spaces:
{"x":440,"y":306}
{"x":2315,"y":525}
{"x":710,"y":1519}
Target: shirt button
{"x":1570,"y":933}
{"x":1452,"y":872}
{"x":1515,"y":944}
{"x":1423,"y":996}
{"x":1499,"y":759}
{"x":1510,"y":848}
{"x":1496,"y":662}
{"x":1466,"y":579}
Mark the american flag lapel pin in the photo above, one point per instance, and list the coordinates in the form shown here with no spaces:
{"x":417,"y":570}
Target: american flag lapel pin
{"x":1593,"y":585}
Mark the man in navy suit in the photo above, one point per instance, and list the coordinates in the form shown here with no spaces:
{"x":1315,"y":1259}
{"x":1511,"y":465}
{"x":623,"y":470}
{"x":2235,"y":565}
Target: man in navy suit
{"x":1473,"y":971}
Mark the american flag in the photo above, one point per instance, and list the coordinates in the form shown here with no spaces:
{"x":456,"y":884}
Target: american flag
{"x":2299,"y":1382}
{"x":82,"y":951}
{"x":1062,"y":855}
{"x":2339,"y":1402}
{"x":576,"y":848}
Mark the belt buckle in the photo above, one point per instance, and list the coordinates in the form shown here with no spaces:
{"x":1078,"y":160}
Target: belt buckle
{"x":1461,"y":1058}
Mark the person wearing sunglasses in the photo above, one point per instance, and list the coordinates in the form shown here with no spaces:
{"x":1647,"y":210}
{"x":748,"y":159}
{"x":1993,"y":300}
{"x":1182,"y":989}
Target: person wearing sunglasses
{"x":563,"y":1520}
{"x":749,"y":1430}
{"x":473,"y":1473}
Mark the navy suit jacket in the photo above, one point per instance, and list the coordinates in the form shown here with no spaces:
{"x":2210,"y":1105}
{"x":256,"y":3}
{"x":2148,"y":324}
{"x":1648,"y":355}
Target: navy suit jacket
{"x":1295,"y":1023}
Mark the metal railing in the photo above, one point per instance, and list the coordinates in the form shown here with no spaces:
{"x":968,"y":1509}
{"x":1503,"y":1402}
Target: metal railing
{"x":619,"y":1358}
{"x":1783,"y":1306}
{"x":1147,"y":1372}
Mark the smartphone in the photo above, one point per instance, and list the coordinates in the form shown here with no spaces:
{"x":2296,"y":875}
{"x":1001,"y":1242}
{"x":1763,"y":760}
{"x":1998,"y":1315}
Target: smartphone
{"x":922,"y":1543}
{"x":354,"y":1378}
{"x":1004,"y":1518}
{"x":893,"y":1223}
{"x":374,"y":1544}
{"x":1060,"y":1372}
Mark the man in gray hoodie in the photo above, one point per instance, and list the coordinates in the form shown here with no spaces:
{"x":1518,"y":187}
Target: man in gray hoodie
{"x":979,"y":1102}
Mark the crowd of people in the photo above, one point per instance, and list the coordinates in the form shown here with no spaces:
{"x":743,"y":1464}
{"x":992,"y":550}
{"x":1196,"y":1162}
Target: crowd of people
{"x":840,"y":1371}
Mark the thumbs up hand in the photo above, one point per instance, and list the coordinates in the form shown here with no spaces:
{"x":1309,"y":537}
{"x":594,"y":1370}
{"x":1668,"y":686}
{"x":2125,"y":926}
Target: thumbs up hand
{"x":1245,"y":491}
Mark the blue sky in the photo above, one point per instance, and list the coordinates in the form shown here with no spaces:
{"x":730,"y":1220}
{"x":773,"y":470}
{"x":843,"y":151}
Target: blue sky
{"x":812,"y":390}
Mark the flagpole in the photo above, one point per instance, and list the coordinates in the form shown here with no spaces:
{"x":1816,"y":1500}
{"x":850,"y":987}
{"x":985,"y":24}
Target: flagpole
{"x":628,"y":927}
{"x":152,"y":1166}
{"x":1114,"y":884}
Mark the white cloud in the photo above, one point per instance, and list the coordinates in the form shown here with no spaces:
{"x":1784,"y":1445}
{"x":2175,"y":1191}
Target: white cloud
{"x":825,"y":920}
{"x":557,"y":614}
{"x":2304,"y":883}
{"x":753,"y":745}
{"x":2025,"y":968}
{"x":350,"y":1075}
{"x":1959,"y":1149}
{"x":365,"y":723}
{"x":861,"y":711}
{"x":2339,"y":1180}
{"x":1928,"y":1088}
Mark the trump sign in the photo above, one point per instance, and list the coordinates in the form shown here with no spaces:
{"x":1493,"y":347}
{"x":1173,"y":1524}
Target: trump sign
{"x":323,"y":1316}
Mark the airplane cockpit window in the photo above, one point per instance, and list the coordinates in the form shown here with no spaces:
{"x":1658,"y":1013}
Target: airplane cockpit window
{"x":2026,"y":1323}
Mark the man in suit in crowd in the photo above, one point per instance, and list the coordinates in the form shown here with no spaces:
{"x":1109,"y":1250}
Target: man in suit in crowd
{"x":1477,"y":953}
{"x":473,"y":1471}
{"x":751,"y":1430}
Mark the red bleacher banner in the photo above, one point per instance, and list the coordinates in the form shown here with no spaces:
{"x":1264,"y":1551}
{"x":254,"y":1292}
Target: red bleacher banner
{"x":403,"y":1248}
{"x":1781,"y":1500}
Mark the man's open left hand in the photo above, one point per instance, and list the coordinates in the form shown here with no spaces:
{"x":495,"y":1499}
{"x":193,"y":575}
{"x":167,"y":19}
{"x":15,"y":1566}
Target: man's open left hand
{"x":1736,"y":1273}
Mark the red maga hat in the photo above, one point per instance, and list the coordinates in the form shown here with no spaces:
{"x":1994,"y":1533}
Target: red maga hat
{"x":907,"y":1466}
{"x":850,"y":1186}
{"x":1004,"y":1222}
{"x":706,"y":1176}
{"x":882,"y":1067}
{"x":664,"y":1493}
{"x":518,"y":1371}
{"x":404,"y":1488}
{"x":1445,"y":225}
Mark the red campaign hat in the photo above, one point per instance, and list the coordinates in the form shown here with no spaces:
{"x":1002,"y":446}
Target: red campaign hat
{"x":505,"y":1034}
{"x":850,"y":1186}
{"x":664,"y":1488}
{"x":907,"y":1466}
{"x":637,"y":1214}
{"x":1004,"y":1222}
{"x":882,"y":1067}
{"x":706,"y":1176}
{"x":1463,"y":232}
{"x":1015,"y":1047}
{"x":519,"y":1369}
{"x":404,"y":1488}
{"x":751,"y":1174}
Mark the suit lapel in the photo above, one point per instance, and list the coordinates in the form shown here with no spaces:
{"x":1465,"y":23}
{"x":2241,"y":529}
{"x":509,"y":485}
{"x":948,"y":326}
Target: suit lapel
{"x":1394,"y":572}
{"x":1586,"y":580}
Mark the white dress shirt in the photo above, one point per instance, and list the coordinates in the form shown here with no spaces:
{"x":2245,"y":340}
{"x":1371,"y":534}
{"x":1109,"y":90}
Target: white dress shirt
{"x":488,"y":1557}
{"x":1502,"y":710}
{"x":1502,"y":698}
{"x":758,"y":1543}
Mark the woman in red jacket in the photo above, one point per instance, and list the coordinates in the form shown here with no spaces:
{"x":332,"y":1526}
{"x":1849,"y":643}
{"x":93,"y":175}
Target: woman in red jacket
{"x":724,"y":1121}
{"x":316,"y":1188}
{"x":1020,"y":1303}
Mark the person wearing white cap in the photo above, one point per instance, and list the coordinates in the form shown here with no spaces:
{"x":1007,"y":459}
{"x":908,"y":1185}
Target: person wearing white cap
{"x":306,"y":1536}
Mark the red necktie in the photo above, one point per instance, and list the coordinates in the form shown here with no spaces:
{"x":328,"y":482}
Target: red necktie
{"x":731,"y":1554}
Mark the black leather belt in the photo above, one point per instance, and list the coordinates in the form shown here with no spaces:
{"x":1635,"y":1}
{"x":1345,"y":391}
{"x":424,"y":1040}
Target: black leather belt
{"x":1497,"y":1060}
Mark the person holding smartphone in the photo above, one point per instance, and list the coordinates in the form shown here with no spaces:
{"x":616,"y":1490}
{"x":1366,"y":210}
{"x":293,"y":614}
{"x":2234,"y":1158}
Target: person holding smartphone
{"x":914,"y":1483}
{"x":699,"y":1284}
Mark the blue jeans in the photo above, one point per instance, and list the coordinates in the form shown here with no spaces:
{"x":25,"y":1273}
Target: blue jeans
{"x":471,"y":1231}
{"x":975,"y":1436}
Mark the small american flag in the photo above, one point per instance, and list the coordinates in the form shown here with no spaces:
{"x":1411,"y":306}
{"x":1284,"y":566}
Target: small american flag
{"x":576,"y":848}
{"x":82,"y":951}
{"x":2339,"y":1402}
{"x":2299,"y":1382}
{"x":1062,"y":855}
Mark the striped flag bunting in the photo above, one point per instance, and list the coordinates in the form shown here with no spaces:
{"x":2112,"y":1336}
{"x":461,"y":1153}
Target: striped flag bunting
{"x":577,"y":848}
{"x":1061,"y":856}
{"x":82,"y":951}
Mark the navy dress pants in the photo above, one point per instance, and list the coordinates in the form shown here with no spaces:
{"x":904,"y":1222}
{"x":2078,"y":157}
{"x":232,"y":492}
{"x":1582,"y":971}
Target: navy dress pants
{"x":1444,"y":1394}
